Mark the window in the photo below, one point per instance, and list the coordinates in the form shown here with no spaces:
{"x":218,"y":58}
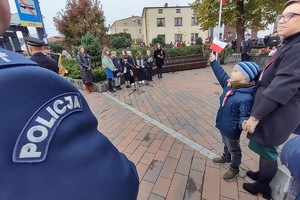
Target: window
{"x":194,"y":37}
{"x":194,"y":21}
{"x":178,"y":37}
{"x":125,"y":30}
{"x":178,"y":21}
{"x":177,"y":10}
{"x":139,"y":22}
{"x":160,"y":11}
{"x":160,"y":21}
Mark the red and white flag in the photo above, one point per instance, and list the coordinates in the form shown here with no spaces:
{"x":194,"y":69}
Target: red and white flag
{"x":217,"y":45}
{"x":223,"y":2}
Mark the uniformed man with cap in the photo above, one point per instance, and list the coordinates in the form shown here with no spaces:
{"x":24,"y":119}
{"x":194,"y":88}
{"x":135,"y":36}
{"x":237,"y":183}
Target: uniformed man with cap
{"x":50,"y":148}
{"x":36,"y":48}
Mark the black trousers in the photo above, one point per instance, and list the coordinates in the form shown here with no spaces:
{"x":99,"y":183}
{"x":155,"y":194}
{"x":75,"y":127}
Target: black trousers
{"x":159,"y":70}
{"x":110,"y":87}
{"x":245,"y":57}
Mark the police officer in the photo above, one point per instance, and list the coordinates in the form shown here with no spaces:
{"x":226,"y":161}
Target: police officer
{"x":36,"y":48}
{"x":50,"y":148}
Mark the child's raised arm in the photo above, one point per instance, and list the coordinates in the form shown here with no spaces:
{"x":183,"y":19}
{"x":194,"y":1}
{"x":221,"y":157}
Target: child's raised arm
{"x":219,"y":72}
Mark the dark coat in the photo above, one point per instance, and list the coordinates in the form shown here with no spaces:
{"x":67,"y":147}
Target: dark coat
{"x":277,"y":99}
{"x":118,"y":65}
{"x":45,"y":61}
{"x":85,"y":68}
{"x":148,"y":61}
{"x":290,"y":156}
{"x":237,"y":108}
{"x":246,"y":46}
{"x":159,"y":56}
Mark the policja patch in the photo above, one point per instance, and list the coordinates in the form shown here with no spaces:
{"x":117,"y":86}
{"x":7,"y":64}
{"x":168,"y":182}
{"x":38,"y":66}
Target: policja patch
{"x":50,"y":147}
{"x":34,"y":140}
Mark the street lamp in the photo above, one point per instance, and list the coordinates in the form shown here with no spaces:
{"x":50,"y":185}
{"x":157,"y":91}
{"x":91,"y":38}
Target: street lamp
{"x":134,"y":20}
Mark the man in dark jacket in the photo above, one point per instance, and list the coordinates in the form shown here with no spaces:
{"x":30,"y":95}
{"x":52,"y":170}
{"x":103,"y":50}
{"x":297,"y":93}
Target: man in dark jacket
{"x":49,"y":143}
{"x":276,"y":108}
{"x":246,"y":47}
{"x":37,"y":55}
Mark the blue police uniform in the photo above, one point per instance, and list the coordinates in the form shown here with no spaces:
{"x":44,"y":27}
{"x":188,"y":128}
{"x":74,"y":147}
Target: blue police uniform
{"x":39,"y":57}
{"x":50,"y":148}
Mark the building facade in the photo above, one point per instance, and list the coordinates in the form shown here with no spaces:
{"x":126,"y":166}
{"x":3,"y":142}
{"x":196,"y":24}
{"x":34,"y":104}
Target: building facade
{"x":172,"y":23}
{"x":131,"y":25}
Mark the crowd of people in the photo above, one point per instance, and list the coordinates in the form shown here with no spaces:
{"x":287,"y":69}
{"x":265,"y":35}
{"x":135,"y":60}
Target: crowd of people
{"x":124,"y":67}
{"x":265,"y":104}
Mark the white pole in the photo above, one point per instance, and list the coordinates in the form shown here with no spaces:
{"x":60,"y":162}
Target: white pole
{"x":219,"y":24}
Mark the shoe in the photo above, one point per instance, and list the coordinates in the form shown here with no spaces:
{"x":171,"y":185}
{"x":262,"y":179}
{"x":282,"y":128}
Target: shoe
{"x":128,"y":86}
{"x":253,"y":175}
{"x":143,"y":81}
{"x":140,"y":82}
{"x":112,"y":91}
{"x":231,"y":174}
{"x":118,"y":88}
{"x":221,"y":159}
{"x":255,"y":188}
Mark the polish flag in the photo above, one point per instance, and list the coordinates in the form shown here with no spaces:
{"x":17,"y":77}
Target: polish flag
{"x":223,"y":2}
{"x":217,"y":45}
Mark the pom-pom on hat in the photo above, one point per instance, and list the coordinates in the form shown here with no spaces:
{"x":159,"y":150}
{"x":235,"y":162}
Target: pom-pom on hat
{"x":248,"y":69}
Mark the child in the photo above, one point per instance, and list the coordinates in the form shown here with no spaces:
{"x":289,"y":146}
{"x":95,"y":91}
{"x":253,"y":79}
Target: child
{"x":149,"y":65}
{"x":235,"y":107}
{"x":139,"y":63}
{"x":117,"y":74}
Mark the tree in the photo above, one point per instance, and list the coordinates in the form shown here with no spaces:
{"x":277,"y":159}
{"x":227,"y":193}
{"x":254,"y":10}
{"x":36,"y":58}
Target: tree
{"x":159,"y":39}
{"x":80,"y":17}
{"x":56,"y":47}
{"x":240,"y":14}
{"x":92,"y":47}
{"x":120,"y":42}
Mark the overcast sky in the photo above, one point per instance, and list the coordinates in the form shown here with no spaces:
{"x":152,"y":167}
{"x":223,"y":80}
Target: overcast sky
{"x":113,"y":9}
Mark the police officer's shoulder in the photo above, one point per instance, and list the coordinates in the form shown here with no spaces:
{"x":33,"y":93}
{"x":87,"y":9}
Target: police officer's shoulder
{"x":34,"y":41}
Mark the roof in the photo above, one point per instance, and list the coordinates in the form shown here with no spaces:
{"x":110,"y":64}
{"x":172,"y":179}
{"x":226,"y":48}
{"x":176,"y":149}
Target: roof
{"x":164,"y":7}
{"x":133,"y":16}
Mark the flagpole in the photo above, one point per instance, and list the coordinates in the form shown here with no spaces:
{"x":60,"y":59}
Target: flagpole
{"x":219,"y":25}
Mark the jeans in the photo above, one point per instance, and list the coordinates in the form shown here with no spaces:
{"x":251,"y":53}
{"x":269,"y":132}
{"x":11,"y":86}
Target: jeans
{"x":232,"y":149}
{"x":117,"y":81}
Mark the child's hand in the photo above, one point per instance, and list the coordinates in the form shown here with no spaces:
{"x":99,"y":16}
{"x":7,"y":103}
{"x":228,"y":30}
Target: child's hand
{"x":212,"y":57}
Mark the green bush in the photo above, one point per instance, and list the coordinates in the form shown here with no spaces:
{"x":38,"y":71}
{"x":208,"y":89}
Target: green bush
{"x":183,"y":51}
{"x":120,"y":42}
{"x":73,"y":69}
{"x":98,"y":74}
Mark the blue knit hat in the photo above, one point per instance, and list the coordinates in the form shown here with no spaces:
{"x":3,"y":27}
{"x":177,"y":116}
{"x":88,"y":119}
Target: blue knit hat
{"x":248,"y":69}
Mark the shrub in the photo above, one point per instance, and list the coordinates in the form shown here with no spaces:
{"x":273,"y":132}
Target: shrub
{"x":98,"y":74}
{"x":183,"y":51}
{"x":72,"y":67}
{"x":120,"y":42}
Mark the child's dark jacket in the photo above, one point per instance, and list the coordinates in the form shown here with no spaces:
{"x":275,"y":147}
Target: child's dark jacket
{"x":237,"y":107}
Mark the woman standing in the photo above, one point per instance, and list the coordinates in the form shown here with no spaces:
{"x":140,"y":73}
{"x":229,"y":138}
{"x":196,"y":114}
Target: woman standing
{"x":276,"y":108}
{"x":128,"y":66}
{"x":109,"y":67}
{"x":149,"y":65}
{"x":84,"y":61}
{"x":159,"y":55}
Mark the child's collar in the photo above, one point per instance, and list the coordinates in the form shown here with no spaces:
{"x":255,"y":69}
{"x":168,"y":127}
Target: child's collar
{"x":241,"y":85}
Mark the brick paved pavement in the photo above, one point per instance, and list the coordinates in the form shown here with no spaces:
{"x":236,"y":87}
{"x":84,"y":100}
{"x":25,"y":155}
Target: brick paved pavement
{"x":169,"y":132}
